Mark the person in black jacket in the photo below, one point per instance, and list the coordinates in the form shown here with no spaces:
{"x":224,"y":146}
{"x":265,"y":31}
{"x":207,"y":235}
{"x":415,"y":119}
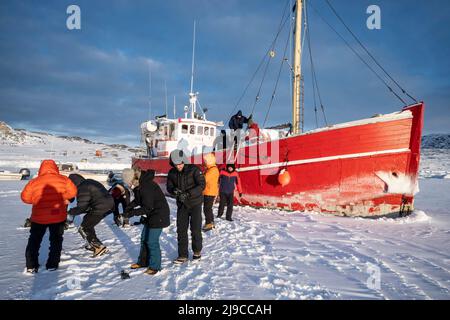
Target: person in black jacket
{"x":237,"y":121}
{"x":94,"y":200}
{"x":186,"y":182}
{"x":154,"y":208}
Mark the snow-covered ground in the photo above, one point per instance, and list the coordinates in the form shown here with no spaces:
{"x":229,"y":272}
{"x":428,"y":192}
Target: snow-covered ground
{"x":263,"y":254}
{"x":23,"y":149}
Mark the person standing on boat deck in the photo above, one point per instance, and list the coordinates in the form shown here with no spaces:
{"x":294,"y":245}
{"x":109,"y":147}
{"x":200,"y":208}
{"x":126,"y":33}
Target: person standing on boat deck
{"x":237,"y":121}
{"x":211,"y":190}
{"x":94,"y":200}
{"x":186,"y":182}
{"x":49,"y":194}
{"x":153,"y":207}
{"x":229,"y":181}
{"x":236,"y":124}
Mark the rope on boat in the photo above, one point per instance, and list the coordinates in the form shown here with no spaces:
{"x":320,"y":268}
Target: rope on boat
{"x":358,"y":55}
{"x":368,"y":52}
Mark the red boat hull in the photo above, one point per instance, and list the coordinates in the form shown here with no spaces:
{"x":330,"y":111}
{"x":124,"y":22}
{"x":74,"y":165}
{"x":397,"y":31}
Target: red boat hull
{"x":364,"y":168}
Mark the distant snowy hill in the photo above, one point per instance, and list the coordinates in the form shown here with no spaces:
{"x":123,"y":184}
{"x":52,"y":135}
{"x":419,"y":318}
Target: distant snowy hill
{"x":436,"y":141}
{"x":21,"y":148}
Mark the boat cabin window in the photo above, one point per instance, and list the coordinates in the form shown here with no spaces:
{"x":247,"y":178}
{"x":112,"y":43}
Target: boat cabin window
{"x":184,"y":128}
{"x":211,"y":132}
{"x":206,"y":131}
{"x":192,"y":129}
{"x":200,"y":130}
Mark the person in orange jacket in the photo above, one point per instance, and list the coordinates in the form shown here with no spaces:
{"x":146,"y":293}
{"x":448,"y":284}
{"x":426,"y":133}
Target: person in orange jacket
{"x":49,"y":194}
{"x":211,"y":190}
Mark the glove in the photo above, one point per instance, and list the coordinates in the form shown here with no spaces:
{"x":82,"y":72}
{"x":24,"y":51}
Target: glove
{"x":143,"y":220}
{"x":183,"y":196}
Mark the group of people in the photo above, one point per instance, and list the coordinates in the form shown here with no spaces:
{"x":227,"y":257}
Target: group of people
{"x":51,"y":193}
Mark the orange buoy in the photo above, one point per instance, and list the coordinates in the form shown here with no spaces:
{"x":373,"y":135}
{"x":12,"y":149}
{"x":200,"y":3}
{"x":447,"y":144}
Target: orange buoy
{"x":284,"y":178}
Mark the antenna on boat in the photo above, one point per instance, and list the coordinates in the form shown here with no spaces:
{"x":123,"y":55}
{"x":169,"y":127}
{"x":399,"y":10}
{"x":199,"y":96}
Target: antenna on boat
{"x":149,"y":91}
{"x":165,"y":90}
{"x":174,"y":107}
{"x":192,"y":95}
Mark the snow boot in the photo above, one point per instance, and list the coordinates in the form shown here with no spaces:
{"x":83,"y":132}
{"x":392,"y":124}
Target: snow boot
{"x":208,"y":227}
{"x":197,"y":256}
{"x":32,"y":270}
{"x":135,"y":266}
{"x":151,"y":272}
{"x":180,"y":260}
{"x":69,"y":225}
{"x":99,"y":251}
{"x":27,"y":223}
{"x":89,"y":247}
{"x":126,"y":223}
{"x":118,"y":220}
{"x":99,"y":248}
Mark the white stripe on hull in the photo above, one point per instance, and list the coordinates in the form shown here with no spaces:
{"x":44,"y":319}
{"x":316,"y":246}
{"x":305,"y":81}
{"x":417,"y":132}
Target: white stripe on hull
{"x":323,"y":159}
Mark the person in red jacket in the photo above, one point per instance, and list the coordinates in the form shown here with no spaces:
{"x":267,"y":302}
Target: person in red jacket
{"x":229,"y":181}
{"x":49,"y":194}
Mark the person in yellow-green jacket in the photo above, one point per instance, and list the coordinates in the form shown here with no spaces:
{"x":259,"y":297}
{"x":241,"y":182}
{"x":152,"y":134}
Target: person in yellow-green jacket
{"x":211,"y":190}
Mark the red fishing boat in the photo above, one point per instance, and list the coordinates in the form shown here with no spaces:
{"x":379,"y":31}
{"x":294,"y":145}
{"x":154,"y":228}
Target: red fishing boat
{"x":363,"y":168}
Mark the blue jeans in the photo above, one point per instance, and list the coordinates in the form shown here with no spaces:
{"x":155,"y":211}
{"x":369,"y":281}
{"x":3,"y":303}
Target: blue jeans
{"x":150,"y":254}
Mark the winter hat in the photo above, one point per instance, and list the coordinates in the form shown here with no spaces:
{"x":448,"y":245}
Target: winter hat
{"x":210,"y":159}
{"x":76,"y":179}
{"x":128,"y":175}
{"x":116,"y":193}
{"x":178,"y":157}
{"x":231,"y":165}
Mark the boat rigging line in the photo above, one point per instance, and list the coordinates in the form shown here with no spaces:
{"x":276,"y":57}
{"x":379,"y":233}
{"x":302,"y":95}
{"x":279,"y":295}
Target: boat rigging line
{"x":368,"y":52}
{"x":278,"y":80}
{"x":357,"y":54}
{"x":315,"y":83}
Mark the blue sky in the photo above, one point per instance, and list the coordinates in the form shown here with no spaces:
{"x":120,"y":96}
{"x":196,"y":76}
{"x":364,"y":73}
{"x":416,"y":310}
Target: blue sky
{"x":94,"y":83}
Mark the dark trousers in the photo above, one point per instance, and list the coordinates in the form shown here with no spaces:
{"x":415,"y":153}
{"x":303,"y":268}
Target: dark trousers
{"x":150,"y":254}
{"x":226,"y":199}
{"x":208,"y":202}
{"x":189,"y":217}
{"x":87,"y":230}
{"x":121,"y":201}
{"x":37,"y":232}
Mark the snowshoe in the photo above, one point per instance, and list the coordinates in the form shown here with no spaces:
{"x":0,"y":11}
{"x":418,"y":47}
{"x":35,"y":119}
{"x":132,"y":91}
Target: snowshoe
{"x":27,"y":223}
{"x":151,"y":272}
{"x":180,"y":260}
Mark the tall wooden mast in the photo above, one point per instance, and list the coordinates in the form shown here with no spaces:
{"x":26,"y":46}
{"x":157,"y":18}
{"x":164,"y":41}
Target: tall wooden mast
{"x":297,"y":69}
